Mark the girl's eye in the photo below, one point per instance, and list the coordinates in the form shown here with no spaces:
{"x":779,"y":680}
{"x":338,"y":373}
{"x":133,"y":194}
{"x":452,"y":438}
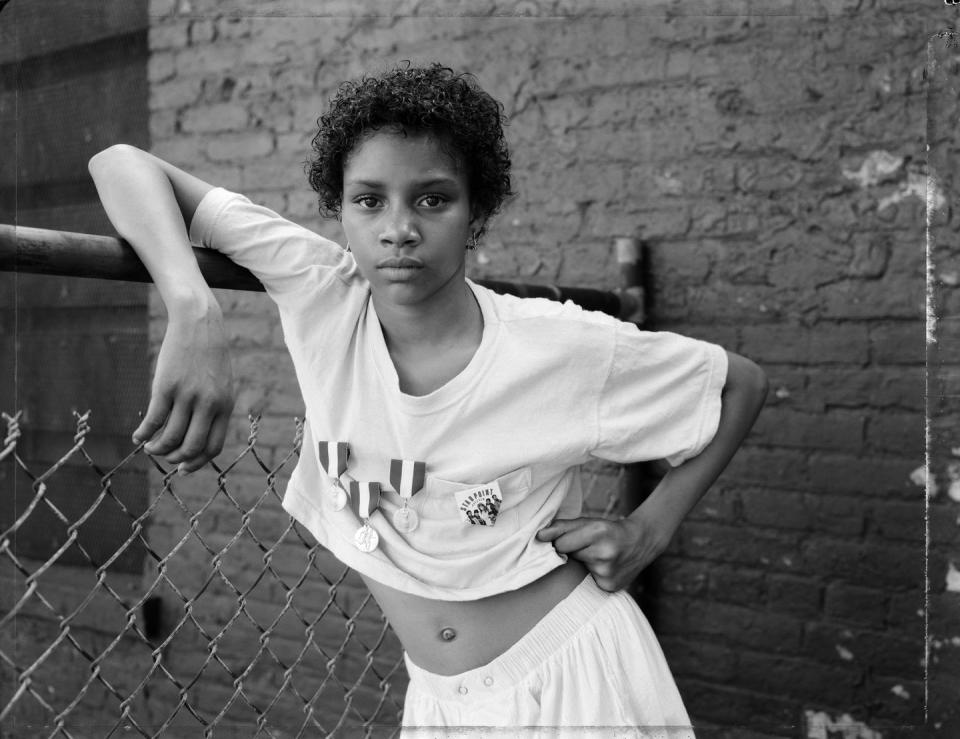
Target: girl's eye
{"x":366,"y":201}
{"x":433,"y":201}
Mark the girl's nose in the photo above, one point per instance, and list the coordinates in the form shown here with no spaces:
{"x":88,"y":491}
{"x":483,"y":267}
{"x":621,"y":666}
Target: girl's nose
{"x":400,"y":230}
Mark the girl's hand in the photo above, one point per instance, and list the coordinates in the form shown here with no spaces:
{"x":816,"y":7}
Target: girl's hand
{"x":192,"y":395}
{"x":614,"y":551}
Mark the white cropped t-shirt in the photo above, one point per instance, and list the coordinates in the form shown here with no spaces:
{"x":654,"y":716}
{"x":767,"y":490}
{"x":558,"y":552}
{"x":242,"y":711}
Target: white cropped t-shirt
{"x":550,"y":386}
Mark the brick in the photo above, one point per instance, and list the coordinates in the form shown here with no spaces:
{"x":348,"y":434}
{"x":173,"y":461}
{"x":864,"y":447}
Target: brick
{"x":215,"y":118}
{"x":855,"y":604}
{"x":238,"y":147}
{"x":896,"y":520}
{"x":775,"y":549}
{"x":945,"y":658}
{"x":901,"y":433}
{"x":884,"y":565}
{"x":944,"y":525}
{"x":834,"y":430}
{"x":781,"y":510}
{"x":896,"y":700}
{"x":883,"y":653}
{"x":945,"y":350}
{"x":868,"y":476}
{"x":163,"y":123}
{"x":906,"y":610}
{"x":737,"y":585}
{"x":176,"y":92}
{"x":728,"y":705}
{"x":167,"y":36}
{"x":679,"y":576}
{"x":799,"y":265}
{"x":181,"y":151}
{"x":824,"y":343}
{"x":719,"y":504}
{"x":713,"y":661}
{"x":858,"y":300}
{"x":871,"y":253}
{"x":839,"y":515}
{"x":857,"y":387}
{"x":800,"y":597}
{"x":764,"y":466}
{"x":729,"y":622}
{"x":798,"y":677}
{"x":201,"y":31}
{"x":160,"y":67}
{"x":902,"y":342}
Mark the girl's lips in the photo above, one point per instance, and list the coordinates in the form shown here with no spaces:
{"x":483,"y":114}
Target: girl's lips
{"x":392,"y":273}
{"x":399,"y":263}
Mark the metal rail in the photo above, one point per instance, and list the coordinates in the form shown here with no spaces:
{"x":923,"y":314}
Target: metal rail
{"x":64,"y":253}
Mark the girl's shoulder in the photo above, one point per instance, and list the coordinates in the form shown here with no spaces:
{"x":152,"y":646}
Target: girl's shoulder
{"x":282,"y":254}
{"x":514,"y":309}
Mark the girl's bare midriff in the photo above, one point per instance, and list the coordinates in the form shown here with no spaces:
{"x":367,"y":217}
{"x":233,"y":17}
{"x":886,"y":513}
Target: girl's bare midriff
{"x":449,"y":637}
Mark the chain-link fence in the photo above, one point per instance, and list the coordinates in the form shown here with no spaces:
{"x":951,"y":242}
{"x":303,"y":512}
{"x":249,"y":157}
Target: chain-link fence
{"x":238,"y":624}
{"x":134,"y":601}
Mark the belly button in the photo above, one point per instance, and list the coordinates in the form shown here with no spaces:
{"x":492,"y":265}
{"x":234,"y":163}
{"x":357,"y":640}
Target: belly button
{"x":448,"y":634}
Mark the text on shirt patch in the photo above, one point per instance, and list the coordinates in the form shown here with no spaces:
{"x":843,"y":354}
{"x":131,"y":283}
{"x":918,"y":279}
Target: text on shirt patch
{"x":480,"y":505}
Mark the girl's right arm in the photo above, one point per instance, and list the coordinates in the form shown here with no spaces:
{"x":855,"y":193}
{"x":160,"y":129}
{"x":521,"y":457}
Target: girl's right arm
{"x":151,"y":203}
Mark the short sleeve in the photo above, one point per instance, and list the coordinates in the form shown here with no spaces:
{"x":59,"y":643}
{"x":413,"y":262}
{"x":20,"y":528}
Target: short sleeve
{"x":661,"y":397}
{"x":281,"y":254}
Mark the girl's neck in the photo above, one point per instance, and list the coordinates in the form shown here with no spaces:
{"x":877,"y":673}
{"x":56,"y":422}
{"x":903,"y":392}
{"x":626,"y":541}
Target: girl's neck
{"x":450,"y":318}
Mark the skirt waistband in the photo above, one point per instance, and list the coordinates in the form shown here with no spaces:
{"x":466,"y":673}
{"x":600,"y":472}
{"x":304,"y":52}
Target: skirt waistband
{"x":549,"y":634}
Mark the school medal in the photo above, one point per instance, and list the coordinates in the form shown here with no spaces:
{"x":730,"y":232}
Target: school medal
{"x":364,"y":500}
{"x":333,"y":457}
{"x":406,"y":476}
{"x":338,"y":496}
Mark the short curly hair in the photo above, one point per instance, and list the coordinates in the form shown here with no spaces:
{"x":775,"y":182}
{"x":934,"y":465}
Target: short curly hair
{"x":432,"y":99}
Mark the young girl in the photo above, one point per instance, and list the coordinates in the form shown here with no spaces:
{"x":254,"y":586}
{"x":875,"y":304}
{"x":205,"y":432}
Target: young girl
{"x":445,"y":424}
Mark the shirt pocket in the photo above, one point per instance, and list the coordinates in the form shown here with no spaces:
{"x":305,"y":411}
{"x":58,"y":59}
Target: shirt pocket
{"x":439,"y":500}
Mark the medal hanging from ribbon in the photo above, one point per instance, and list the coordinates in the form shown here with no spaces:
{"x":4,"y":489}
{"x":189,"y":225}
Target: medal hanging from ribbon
{"x":407,"y":477}
{"x":333,"y":457}
{"x":364,"y":500}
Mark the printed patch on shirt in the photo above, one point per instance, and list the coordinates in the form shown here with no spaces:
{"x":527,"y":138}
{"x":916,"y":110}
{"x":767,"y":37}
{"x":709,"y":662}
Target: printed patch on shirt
{"x":480,"y":505}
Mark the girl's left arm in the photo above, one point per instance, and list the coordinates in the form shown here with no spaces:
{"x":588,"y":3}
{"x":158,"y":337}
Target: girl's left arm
{"x":616,"y":551}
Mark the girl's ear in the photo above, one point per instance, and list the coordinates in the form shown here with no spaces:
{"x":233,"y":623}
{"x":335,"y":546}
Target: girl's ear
{"x":477,"y":224}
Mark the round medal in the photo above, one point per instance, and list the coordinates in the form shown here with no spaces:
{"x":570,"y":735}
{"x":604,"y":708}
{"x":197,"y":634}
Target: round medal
{"x":366,"y":539}
{"x":338,"y":496}
{"x":338,"y":499}
{"x":405,"y":519}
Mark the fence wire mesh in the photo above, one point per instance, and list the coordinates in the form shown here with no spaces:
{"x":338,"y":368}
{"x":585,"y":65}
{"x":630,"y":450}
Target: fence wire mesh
{"x":238,"y":625}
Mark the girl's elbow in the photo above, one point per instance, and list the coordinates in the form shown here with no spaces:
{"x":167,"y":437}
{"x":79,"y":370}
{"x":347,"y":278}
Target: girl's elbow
{"x":748,"y":376}
{"x":759,"y":381}
{"x":107,"y":157}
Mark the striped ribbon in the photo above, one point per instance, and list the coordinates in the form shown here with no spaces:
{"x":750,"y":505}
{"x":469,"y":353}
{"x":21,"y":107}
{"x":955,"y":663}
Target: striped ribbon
{"x":364,"y":498}
{"x":334,"y":456}
{"x":407,"y":476}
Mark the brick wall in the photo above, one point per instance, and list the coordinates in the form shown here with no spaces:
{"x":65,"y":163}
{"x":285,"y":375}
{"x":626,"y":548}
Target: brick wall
{"x":775,"y":166}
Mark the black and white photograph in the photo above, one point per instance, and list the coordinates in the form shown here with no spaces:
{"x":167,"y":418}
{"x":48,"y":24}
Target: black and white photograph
{"x":547,"y":369}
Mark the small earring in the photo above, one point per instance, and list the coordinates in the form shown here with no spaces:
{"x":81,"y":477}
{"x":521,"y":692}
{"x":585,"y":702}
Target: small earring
{"x":472,"y":244}
{"x":348,"y":246}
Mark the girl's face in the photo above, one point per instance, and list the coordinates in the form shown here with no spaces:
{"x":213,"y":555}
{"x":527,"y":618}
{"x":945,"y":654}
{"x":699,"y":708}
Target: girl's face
{"x":406,"y":215}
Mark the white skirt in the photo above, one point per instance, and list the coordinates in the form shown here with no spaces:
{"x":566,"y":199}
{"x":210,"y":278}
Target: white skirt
{"x":592,"y":667}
